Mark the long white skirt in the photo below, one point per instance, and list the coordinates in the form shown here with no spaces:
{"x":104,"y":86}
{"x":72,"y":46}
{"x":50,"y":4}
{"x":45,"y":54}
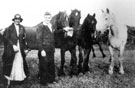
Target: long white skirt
{"x":17,"y":72}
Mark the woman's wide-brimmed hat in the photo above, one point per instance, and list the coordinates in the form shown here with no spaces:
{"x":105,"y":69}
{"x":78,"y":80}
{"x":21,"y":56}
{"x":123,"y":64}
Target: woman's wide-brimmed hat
{"x":17,"y":16}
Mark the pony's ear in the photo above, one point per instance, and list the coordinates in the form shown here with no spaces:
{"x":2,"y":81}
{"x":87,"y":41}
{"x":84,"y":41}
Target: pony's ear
{"x":94,"y":15}
{"x":107,"y":10}
{"x":88,"y":15}
{"x":102,"y":10}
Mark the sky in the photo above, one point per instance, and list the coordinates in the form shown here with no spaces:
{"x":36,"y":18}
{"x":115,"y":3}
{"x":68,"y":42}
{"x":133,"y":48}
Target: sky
{"x":32,"y":11}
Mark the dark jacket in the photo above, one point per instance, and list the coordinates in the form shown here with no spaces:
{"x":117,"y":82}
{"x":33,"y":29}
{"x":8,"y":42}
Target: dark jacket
{"x":45,"y":37}
{"x":10,"y":38}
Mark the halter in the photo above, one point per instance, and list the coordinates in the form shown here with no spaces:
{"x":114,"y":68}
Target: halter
{"x":110,"y":29}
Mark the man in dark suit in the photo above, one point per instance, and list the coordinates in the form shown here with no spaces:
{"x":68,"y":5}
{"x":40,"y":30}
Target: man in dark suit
{"x":45,"y":39}
{"x":14,"y":63}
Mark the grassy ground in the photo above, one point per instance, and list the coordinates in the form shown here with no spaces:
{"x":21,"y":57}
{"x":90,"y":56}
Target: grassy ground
{"x":97,"y":77}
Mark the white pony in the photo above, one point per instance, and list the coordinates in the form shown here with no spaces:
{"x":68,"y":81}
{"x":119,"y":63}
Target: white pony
{"x":117,"y":37}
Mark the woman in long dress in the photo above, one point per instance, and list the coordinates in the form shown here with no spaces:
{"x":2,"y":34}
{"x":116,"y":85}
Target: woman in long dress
{"x":14,"y":63}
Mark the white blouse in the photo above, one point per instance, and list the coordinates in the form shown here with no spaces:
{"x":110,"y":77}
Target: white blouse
{"x":17,"y":29}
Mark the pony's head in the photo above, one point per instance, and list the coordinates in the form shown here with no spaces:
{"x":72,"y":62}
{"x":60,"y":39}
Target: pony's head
{"x":89,"y":26}
{"x":90,"y":23}
{"x":62,"y":20}
{"x":74,"y":18}
{"x":106,"y":21}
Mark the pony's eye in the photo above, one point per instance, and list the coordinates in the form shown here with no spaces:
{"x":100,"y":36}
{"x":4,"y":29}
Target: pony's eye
{"x":92,"y":22}
{"x":106,"y":18}
{"x":76,"y":14}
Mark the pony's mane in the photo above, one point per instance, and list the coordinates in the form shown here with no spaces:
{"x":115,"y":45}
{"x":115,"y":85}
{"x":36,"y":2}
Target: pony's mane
{"x":59,"y":15}
{"x":59,"y":19}
{"x":85,"y":24}
{"x":113,"y":29}
{"x":113,"y":18}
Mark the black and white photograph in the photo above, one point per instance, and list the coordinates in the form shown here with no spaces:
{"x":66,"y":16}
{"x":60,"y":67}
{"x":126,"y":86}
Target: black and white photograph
{"x":67,"y":44}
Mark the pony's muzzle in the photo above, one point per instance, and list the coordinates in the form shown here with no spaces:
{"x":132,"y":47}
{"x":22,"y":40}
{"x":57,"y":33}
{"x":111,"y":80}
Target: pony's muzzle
{"x":68,"y":31}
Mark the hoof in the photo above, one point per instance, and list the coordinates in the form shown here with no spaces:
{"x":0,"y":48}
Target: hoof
{"x":74,"y":70}
{"x":80,"y":70}
{"x":87,"y":73}
{"x":94,"y":56}
{"x":86,"y":68}
{"x":121,"y":72}
{"x":110,"y":72}
{"x":80,"y":74}
{"x":61,"y":73}
{"x":104,"y":56}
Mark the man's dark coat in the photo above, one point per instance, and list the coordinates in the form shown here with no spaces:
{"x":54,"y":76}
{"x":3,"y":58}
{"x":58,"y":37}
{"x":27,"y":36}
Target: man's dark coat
{"x":45,"y":40}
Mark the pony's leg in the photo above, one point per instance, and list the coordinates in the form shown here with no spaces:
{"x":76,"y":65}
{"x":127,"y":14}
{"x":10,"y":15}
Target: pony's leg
{"x":121,"y":60}
{"x":80,"y":63}
{"x":86,"y":59}
{"x":94,"y":55}
{"x":111,"y":60}
{"x":62,"y":62}
{"x":73,"y":57}
{"x":101,"y":50}
{"x":8,"y":83}
{"x":39,"y":56}
{"x":72,"y":52}
{"x":74,"y":68}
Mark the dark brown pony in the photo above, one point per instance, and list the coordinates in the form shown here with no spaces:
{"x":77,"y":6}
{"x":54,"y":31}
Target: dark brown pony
{"x":85,"y":41}
{"x":74,"y":21}
{"x":63,"y":41}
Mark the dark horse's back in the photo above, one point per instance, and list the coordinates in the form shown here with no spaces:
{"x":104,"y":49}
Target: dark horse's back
{"x":31,"y":37}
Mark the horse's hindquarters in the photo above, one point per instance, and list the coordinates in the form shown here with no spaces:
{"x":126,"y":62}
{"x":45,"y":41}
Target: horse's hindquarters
{"x":31,"y":39}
